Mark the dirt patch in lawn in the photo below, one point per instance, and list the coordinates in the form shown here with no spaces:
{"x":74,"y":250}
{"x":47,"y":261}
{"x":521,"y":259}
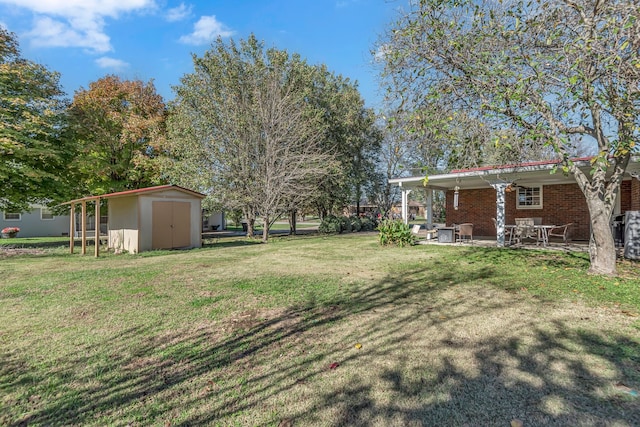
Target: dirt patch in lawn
{"x":8,"y":252}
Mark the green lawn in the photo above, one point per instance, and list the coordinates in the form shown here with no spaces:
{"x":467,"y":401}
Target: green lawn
{"x":317,"y":331}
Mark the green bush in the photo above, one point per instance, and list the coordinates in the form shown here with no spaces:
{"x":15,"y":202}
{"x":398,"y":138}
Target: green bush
{"x":345,"y":224}
{"x":356,"y":223}
{"x":367,"y":224}
{"x":342,"y":224}
{"x":395,"y":232}
{"x":330,"y":224}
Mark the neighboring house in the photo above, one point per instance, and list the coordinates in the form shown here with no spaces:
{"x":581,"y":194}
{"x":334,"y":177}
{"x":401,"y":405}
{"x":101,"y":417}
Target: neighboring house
{"x":213,"y":221}
{"x":414,"y":209}
{"x":517,"y":191}
{"x":37,"y":222}
{"x":366,"y":208}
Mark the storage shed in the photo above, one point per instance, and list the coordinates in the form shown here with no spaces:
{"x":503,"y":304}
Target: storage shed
{"x":162,"y":217}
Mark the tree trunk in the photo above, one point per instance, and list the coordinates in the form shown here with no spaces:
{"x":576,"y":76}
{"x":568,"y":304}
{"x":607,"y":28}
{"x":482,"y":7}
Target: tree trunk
{"x":249,"y":217}
{"x":602,"y":250}
{"x":251,"y":227}
{"x":292,"y":221}
{"x":265,"y":228}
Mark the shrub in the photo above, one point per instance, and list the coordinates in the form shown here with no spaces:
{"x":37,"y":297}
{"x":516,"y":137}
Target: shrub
{"x":367,"y":224}
{"x":345,"y":224}
{"x":395,"y":232}
{"x":356,"y":223}
{"x":330,"y":224}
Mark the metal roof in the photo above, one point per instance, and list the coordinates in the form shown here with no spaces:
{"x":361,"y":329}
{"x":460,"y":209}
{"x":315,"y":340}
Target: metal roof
{"x":139,"y":191}
{"x":531,"y":173}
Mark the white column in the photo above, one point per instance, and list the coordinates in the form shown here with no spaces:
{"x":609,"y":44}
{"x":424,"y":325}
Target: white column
{"x":500,"y":215}
{"x":429,"y":211}
{"x":405,"y":205}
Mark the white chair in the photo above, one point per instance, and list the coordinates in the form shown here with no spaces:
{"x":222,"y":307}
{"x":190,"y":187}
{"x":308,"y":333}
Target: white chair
{"x":524,"y":230}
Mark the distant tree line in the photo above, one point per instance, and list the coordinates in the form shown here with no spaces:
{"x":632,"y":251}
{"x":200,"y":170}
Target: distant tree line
{"x":256,"y":130}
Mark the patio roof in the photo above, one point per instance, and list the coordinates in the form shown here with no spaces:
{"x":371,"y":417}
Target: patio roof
{"x":531,"y":173}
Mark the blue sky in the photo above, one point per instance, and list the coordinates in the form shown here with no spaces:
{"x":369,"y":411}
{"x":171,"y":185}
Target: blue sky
{"x":154,"y":39}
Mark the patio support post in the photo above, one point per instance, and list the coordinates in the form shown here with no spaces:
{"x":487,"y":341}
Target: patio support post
{"x":405,"y":204}
{"x":429,"y":212}
{"x":72,"y":227}
{"x":500,"y":215}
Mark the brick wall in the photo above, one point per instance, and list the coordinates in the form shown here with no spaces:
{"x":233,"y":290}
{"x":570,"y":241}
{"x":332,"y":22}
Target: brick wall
{"x":635,"y":194}
{"x":561,"y":204}
{"x":625,"y":196}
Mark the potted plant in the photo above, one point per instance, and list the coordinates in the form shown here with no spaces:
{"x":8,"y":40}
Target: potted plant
{"x":10,"y":232}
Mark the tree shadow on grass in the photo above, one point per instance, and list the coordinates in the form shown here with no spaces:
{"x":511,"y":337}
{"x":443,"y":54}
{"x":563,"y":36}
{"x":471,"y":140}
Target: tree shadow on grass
{"x":530,"y":257}
{"x":259,"y":363}
{"x":512,"y":381}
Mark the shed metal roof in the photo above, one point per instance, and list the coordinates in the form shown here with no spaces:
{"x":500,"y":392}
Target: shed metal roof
{"x":139,"y":191}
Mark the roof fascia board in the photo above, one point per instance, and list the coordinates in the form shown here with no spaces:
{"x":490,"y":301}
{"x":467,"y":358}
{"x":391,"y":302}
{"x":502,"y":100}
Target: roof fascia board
{"x":142,"y":191}
{"x":483,"y":173}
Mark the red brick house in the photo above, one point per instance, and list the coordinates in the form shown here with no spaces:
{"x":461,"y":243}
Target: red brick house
{"x":530,"y":190}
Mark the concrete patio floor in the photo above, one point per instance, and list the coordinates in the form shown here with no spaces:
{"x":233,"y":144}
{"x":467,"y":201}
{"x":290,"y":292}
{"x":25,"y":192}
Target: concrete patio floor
{"x":490,"y":241}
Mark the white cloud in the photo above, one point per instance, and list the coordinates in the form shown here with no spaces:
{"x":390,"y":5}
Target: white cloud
{"x":76,"y":23}
{"x":178,"y":13}
{"x":382,"y":51}
{"x":205,"y":30}
{"x":50,"y":33}
{"x":114,"y":64}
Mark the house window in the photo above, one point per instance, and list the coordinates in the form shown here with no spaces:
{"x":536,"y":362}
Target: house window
{"x":12,"y":216}
{"x":45,"y":214}
{"x":529,"y":198}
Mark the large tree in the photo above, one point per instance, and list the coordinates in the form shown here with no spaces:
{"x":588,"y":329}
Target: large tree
{"x":34,"y":150}
{"x":120,"y":127}
{"x":554,"y":72}
{"x":243,"y":131}
{"x":351,"y":133}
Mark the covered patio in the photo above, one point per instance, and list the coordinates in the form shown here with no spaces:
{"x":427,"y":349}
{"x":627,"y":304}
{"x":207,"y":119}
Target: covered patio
{"x":494,"y":199}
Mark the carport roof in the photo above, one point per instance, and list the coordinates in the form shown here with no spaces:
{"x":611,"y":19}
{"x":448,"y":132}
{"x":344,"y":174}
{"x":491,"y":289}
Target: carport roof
{"x":147,"y":190}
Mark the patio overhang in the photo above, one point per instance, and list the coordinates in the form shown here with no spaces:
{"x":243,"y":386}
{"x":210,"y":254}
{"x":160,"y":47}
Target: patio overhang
{"x":498,"y":178}
{"x":525,"y":174}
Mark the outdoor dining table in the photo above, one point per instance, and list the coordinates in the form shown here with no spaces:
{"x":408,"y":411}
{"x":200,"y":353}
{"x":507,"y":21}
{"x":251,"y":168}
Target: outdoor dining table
{"x":510,"y":229}
{"x":543,"y":233}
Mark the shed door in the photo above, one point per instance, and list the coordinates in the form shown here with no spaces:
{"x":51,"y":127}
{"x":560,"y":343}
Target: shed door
{"x":171,"y":225}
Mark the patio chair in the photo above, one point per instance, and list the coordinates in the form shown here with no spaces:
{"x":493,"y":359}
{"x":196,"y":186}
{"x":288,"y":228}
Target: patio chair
{"x":524,"y":230}
{"x":464,"y":232}
{"x":415,"y":230}
{"x":507,"y":231}
{"x":560,"y":231}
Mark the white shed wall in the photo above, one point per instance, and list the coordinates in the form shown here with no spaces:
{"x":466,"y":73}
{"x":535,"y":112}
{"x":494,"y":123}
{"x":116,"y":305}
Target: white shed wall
{"x":123,"y":224}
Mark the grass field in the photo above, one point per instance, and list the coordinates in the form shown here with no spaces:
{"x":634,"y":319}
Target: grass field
{"x":317,"y":331}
